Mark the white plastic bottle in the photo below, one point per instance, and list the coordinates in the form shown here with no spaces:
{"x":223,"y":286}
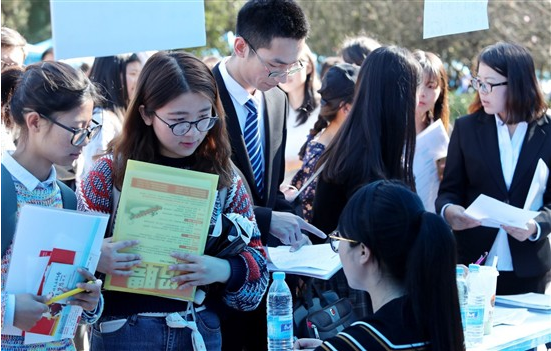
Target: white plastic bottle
{"x":463,"y":293}
{"x":280,"y":315}
{"x":475,"y":310}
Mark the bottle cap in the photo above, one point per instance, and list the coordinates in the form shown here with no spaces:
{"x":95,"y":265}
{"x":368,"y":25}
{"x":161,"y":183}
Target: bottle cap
{"x":279,"y":275}
{"x":474,"y":267}
{"x":459,"y":271}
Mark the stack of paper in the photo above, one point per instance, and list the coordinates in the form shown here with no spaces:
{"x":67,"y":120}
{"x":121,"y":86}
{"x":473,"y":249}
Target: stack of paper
{"x":318,"y":261}
{"x":532,"y":301}
{"x":509,"y":316}
{"x":494,"y":213}
{"x":50,"y":245}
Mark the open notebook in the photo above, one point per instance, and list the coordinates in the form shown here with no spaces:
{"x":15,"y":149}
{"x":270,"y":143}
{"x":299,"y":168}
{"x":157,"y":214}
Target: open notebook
{"x":318,"y":261}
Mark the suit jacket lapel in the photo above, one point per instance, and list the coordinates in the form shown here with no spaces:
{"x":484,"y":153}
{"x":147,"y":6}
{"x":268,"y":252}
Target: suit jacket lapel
{"x":239,"y":150}
{"x":489,"y":145}
{"x":533,"y":142}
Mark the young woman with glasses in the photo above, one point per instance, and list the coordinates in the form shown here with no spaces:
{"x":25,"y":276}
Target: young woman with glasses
{"x":52,"y":105}
{"x":405,"y":257}
{"x":495,"y":151}
{"x":175,"y":119}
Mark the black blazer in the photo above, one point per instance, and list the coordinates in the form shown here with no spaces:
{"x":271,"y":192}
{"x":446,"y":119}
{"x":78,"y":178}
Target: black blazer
{"x":473,"y":167}
{"x":275,"y":131}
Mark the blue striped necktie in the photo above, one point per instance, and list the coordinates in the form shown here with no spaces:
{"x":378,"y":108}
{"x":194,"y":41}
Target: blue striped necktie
{"x":254,"y":145}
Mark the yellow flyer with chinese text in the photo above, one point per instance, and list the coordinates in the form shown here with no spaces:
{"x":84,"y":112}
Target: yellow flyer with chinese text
{"x":168,"y":210}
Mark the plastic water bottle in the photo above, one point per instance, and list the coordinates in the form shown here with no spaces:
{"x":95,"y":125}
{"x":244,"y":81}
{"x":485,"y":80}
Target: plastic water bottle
{"x":280,"y":315}
{"x":463,"y":293}
{"x":475,"y":308}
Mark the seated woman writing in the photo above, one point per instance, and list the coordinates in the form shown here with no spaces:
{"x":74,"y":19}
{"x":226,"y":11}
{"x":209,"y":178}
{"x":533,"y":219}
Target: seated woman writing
{"x":405,"y":257}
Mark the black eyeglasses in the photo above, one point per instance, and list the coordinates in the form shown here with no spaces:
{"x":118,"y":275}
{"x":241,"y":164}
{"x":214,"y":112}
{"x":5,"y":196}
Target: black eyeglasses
{"x":79,"y":134}
{"x":483,"y":87}
{"x":296,"y":67}
{"x":335,"y":239}
{"x":181,"y":128}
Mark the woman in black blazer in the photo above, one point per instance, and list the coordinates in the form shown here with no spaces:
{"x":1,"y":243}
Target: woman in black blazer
{"x":495,"y":151}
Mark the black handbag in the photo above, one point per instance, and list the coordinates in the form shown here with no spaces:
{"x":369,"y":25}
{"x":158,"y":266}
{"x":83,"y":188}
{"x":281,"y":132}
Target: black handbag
{"x":231,"y":241}
{"x":323,"y":315}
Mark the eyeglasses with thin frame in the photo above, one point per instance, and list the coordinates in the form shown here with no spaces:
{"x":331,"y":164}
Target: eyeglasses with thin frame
{"x":181,"y":128}
{"x":79,"y":134}
{"x":335,"y":239}
{"x":297,"y":66}
{"x":484,"y":87}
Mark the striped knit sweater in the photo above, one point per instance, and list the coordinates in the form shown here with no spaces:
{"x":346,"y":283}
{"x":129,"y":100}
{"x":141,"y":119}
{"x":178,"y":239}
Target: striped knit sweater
{"x":249,"y":275}
{"x":49,"y":196}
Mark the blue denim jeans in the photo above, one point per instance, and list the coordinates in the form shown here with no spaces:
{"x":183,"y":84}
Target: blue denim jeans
{"x":152,"y":334}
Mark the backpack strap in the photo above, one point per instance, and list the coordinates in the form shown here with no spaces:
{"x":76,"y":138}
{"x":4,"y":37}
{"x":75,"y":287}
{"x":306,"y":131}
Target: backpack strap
{"x":9,"y":206}
{"x":8,"y":209}
{"x":67,"y":196}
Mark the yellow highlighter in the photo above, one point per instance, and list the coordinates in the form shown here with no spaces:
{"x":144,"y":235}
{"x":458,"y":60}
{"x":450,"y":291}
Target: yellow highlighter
{"x":67,"y":294}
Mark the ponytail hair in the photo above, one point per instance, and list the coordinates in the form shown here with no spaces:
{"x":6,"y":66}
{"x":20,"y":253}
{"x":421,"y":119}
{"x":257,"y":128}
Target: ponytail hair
{"x":431,"y":283}
{"x":413,"y":247}
{"x":10,"y":76}
{"x":45,"y":87}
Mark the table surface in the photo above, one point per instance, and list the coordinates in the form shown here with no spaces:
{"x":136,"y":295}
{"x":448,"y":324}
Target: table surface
{"x":534,"y":331}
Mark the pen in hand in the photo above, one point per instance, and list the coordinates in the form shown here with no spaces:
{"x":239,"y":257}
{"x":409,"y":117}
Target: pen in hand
{"x":67,"y":294}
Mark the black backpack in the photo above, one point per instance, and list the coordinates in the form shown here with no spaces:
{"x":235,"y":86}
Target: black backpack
{"x":9,"y":206}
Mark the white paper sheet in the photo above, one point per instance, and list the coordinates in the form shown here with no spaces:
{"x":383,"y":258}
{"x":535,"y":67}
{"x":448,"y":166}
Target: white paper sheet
{"x":534,"y":199}
{"x":494,"y":213}
{"x":445,"y":17}
{"x":431,"y":145}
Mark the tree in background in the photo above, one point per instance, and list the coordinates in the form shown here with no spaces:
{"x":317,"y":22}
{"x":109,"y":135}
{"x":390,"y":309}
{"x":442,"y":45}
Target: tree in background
{"x":30,"y":18}
{"x":391,"y":22}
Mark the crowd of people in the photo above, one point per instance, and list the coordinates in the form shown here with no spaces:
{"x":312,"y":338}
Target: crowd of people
{"x":304,"y":155}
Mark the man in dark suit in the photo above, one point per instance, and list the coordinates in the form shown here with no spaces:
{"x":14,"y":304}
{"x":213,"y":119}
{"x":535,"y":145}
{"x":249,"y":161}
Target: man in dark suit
{"x":270,"y":37}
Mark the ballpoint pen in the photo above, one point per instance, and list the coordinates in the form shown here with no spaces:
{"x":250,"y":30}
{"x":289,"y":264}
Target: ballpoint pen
{"x":67,"y":294}
{"x":482,"y":258}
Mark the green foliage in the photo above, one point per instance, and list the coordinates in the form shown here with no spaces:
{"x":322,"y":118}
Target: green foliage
{"x":30,"y":18}
{"x":459,"y":103}
{"x":391,"y":22}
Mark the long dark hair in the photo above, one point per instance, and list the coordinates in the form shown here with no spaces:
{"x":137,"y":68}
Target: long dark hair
{"x":164,"y":77}
{"x":413,"y":247}
{"x":311,"y":85}
{"x":434,"y":68}
{"x":377,"y":140}
{"x":524,"y":101}
{"x":109,"y":73}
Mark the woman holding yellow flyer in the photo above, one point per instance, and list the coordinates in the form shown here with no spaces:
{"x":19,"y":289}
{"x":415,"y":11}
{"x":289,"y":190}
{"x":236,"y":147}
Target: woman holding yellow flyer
{"x":175,"y":119}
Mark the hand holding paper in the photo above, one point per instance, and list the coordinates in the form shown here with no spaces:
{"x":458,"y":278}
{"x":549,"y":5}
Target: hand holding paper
{"x":495,"y":214}
{"x":28,"y":310}
{"x":458,"y":220}
{"x":118,"y":263}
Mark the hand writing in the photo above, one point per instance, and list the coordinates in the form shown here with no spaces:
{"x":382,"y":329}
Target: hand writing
{"x":88,"y":299}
